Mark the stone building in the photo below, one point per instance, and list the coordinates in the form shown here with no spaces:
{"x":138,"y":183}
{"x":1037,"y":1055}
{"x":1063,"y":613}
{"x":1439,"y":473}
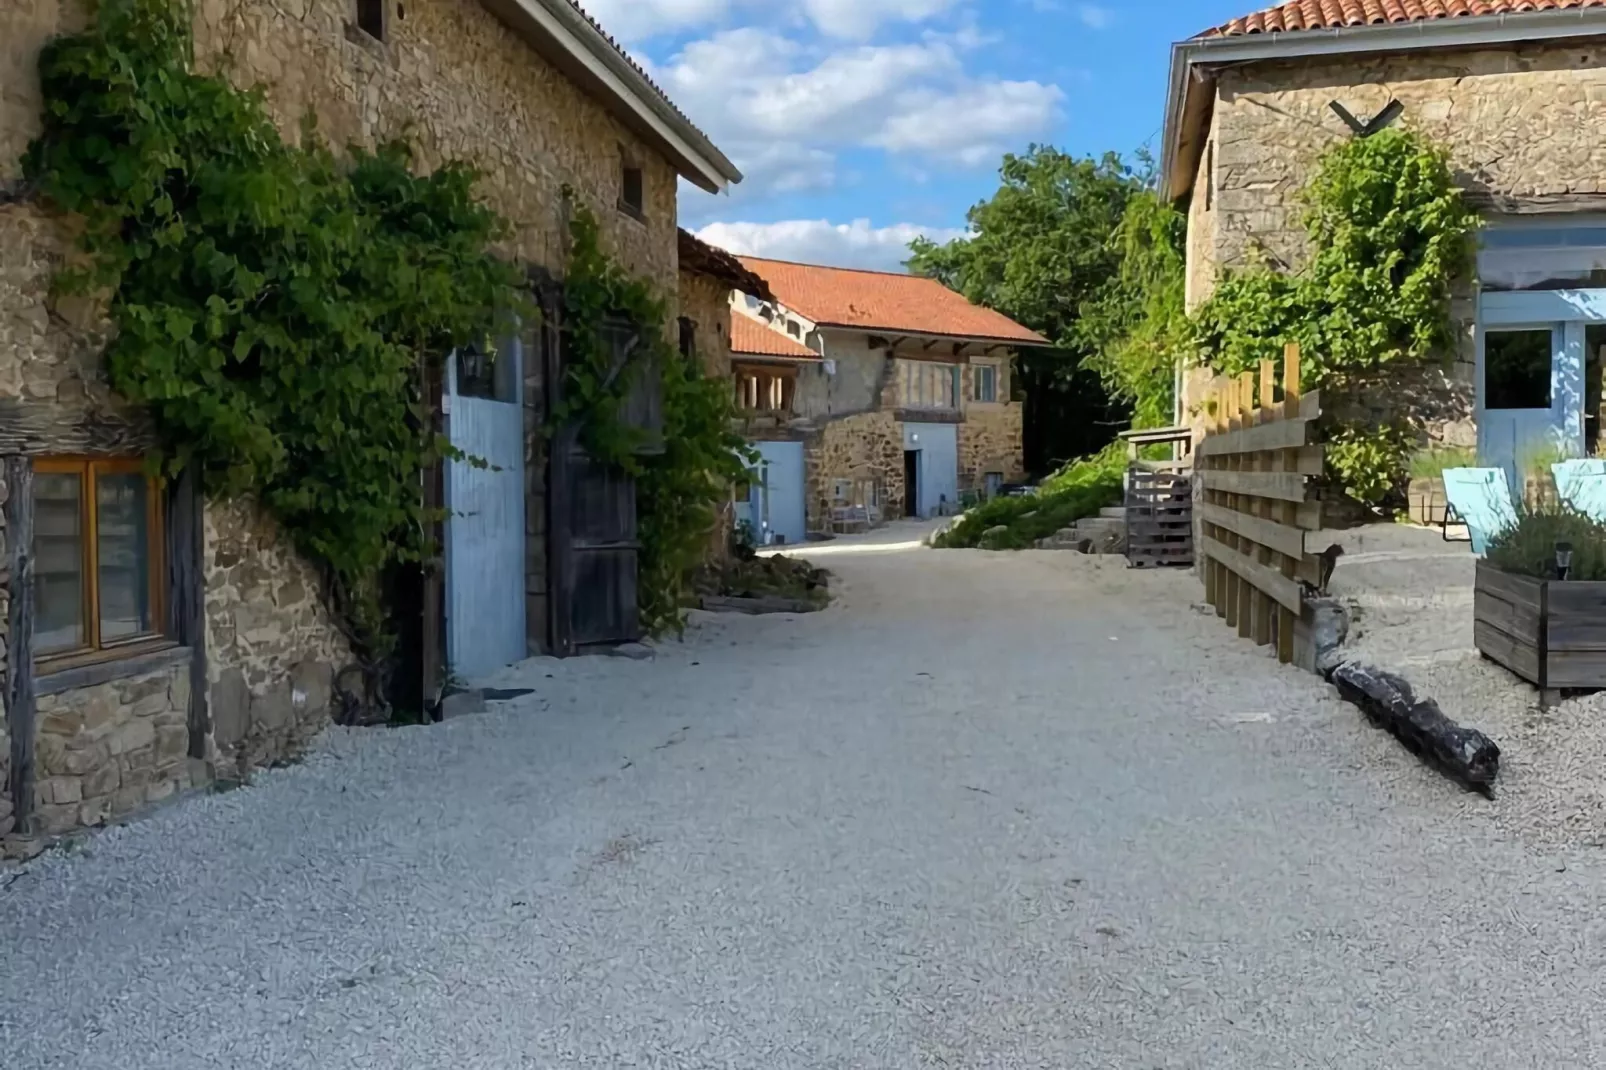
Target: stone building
{"x":151,"y":639}
{"x":708,"y":276}
{"x":875,"y":392}
{"x":1515,"y":91}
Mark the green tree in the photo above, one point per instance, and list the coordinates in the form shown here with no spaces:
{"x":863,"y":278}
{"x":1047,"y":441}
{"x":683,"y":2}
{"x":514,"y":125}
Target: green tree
{"x":1139,"y":331}
{"x":1041,"y":250}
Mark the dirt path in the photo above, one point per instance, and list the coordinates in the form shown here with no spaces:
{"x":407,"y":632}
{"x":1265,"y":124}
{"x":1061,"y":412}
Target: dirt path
{"x":991,"y":810}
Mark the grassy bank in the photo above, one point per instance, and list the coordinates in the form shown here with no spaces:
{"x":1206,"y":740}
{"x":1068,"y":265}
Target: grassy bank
{"x":1078,"y":490}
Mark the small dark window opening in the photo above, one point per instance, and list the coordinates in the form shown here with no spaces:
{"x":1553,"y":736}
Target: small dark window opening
{"x":1516,"y":369}
{"x":371,"y":18}
{"x":1210,"y":176}
{"x":793,"y":329}
{"x":632,"y":192}
{"x":688,"y":337}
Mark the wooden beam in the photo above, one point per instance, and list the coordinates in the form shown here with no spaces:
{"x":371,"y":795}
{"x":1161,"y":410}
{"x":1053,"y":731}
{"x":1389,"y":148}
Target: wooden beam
{"x":1282,"y":486}
{"x":20,"y":710}
{"x":1267,"y":533}
{"x":1285,"y":592}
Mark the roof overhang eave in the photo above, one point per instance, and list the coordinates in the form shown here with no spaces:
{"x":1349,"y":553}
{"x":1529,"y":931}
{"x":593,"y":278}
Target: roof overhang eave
{"x":562,"y":34}
{"x":1177,"y":167}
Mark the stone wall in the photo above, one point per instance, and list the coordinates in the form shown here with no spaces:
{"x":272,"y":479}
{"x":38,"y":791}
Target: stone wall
{"x":990,"y":441}
{"x":272,"y":651}
{"x":867,"y":446}
{"x":460,"y":85}
{"x":1519,"y":124}
{"x":105,"y":751}
{"x":706,"y":302}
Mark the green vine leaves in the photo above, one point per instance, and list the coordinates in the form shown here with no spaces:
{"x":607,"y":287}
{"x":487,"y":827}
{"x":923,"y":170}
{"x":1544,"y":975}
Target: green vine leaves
{"x":279,"y":309}
{"x":1389,"y":236}
{"x":679,"y":487}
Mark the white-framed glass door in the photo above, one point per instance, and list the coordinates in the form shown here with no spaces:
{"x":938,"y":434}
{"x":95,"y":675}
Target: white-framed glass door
{"x":1531,"y":375}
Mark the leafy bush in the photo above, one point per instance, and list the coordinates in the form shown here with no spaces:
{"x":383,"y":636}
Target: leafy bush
{"x":1078,"y":490}
{"x":1529,"y":548}
{"x":1369,"y":463}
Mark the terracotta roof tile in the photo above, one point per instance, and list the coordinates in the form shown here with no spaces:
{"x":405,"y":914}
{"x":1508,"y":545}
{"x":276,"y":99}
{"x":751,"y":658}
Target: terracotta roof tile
{"x":882,"y":301}
{"x":751,"y":338}
{"x":1337,"y":14}
{"x":701,"y":258}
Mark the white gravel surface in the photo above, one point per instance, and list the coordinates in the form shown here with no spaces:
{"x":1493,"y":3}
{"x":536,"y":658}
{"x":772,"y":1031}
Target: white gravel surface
{"x":991,"y":810}
{"x":1411,"y":594}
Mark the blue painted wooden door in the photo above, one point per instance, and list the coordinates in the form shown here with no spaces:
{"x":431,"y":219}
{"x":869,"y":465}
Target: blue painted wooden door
{"x":938,"y":446}
{"x":1531,"y":378}
{"x":485,"y":583}
{"x":777,"y":509}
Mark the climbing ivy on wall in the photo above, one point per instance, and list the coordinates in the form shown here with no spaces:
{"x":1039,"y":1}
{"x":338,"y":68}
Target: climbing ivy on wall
{"x":680,"y":486}
{"x":277,"y":307}
{"x":1389,"y":236}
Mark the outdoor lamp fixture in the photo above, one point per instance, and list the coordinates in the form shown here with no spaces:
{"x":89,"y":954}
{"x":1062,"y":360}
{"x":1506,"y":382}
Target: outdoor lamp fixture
{"x":1564,"y":559}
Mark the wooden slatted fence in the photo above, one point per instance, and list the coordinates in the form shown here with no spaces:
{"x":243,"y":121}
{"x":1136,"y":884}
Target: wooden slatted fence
{"x":1255,"y":465}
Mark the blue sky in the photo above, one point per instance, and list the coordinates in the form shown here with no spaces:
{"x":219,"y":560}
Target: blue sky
{"x":861,"y":123}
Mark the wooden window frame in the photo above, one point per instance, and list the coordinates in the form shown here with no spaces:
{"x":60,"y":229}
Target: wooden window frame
{"x":629,"y":165}
{"x":980,"y":371}
{"x":88,"y":469}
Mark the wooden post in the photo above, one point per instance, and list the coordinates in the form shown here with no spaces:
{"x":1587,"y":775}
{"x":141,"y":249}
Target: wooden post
{"x":1247,"y":594}
{"x":1230,"y":501}
{"x":1265,"y":608}
{"x":186,"y":566}
{"x":1288,"y":512}
{"x":19,"y":638}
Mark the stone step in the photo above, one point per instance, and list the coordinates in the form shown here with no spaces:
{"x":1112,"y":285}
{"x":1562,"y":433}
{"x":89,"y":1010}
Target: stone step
{"x":1113,"y":512}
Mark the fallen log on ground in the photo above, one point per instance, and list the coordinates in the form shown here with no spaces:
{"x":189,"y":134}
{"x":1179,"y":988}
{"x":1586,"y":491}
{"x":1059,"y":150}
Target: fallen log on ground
{"x":1463,"y":754}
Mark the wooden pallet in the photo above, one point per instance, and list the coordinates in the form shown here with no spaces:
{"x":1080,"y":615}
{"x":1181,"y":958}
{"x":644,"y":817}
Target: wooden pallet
{"x":1159,"y":519}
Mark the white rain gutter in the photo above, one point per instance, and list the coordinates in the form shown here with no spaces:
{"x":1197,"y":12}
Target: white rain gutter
{"x":1462,"y":33}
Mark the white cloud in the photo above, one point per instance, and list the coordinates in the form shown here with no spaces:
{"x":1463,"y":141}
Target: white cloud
{"x":859,"y":19}
{"x":1095,"y":17}
{"x":637,"y":20}
{"x":782,"y":109}
{"x":818,"y":241}
{"x":975,"y":125}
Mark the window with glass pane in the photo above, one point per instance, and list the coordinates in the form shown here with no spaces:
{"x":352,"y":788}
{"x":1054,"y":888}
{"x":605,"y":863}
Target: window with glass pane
{"x":1516,"y":369}
{"x":59,"y":583}
{"x":986,"y":383}
{"x":98,"y":562}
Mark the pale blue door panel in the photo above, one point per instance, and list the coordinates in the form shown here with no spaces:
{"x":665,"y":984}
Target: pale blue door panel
{"x":782,"y":488}
{"x":485,"y":537}
{"x":938,"y":445}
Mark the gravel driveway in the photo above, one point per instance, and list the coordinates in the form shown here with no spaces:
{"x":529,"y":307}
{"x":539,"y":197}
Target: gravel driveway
{"x":991,"y":810}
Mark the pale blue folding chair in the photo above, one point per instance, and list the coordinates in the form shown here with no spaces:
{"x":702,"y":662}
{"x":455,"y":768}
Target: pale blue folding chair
{"x":1582,"y":485}
{"x":1481,"y":499}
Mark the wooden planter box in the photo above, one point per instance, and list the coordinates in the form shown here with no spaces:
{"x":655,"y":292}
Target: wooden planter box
{"x":1427,"y":502}
{"x":1550,"y":633}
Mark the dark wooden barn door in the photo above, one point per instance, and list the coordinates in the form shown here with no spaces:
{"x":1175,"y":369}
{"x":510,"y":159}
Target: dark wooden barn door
{"x":593,"y":544}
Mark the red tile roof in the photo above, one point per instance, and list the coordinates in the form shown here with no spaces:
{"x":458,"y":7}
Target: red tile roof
{"x":751,"y":338}
{"x":882,"y":301}
{"x":1338,"y":14}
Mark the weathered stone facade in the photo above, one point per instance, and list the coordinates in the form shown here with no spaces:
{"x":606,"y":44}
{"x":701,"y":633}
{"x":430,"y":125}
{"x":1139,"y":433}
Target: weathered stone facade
{"x":706,"y":302}
{"x":990,"y":441}
{"x":105,"y":751}
{"x":1520,"y":124}
{"x":460,"y":85}
{"x":272,"y":651}
{"x":868,"y":446}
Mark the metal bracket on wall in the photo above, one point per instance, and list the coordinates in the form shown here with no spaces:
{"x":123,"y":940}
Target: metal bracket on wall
{"x":1381,"y":121}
